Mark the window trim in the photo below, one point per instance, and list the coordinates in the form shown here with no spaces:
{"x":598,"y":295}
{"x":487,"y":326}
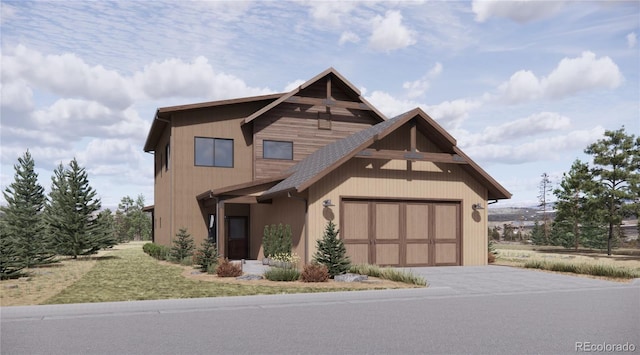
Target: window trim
{"x":214,"y":139}
{"x":167,"y":156}
{"x":264,"y":150}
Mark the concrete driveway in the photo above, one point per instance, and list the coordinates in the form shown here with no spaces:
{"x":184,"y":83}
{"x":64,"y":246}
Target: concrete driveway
{"x":493,"y":279}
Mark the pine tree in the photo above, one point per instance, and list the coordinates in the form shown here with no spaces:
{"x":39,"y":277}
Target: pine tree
{"x":574,"y":206}
{"x":206,"y":256}
{"x":182,"y":246}
{"x":543,"y":199}
{"x":132,"y":223}
{"x":537,"y":234}
{"x":11,"y":265}
{"x":331,"y":252}
{"x":617,"y":172}
{"x":22,"y":215}
{"x":73,"y":222}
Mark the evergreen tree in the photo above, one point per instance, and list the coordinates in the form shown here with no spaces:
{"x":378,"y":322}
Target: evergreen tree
{"x":182,"y":246}
{"x":73,"y":222}
{"x":11,"y":264}
{"x":22,"y":215}
{"x":617,"y":172}
{"x":537,"y":234}
{"x":331,"y":252}
{"x":132,"y":223}
{"x":574,"y":207}
{"x":206,"y":256}
{"x":543,"y":199}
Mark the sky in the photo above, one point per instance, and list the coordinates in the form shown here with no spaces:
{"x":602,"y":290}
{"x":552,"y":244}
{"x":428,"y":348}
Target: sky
{"x":524,"y":86}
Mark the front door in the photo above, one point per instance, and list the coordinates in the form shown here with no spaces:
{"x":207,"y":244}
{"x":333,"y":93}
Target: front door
{"x":238,"y":237}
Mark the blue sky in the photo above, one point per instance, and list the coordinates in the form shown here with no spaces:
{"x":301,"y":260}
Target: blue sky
{"x":524,"y":86}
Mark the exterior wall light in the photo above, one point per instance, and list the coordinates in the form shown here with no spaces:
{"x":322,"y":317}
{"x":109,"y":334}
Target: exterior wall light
{"x":477,"y":206}
{"x":327,"y":203}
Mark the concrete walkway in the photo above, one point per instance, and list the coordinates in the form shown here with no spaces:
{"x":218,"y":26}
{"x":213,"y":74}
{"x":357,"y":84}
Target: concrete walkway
{"x":493,"y":279}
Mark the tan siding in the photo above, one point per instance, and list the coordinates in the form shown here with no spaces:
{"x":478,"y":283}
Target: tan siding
{"x":283,"y":210}
{"x":299,"y":124}
{"x":390,"y":179}
{"x":162,"y":194}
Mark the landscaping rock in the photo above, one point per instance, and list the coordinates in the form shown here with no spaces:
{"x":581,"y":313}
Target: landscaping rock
{"x":350,"y":278}
{"x":249,"y":277}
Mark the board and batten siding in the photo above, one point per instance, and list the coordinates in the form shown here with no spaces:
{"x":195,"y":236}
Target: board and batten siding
{"x":375,"y":179}
{"x":299,"y":124}
{"x":190,"y":180}
{"x":162,"y":192}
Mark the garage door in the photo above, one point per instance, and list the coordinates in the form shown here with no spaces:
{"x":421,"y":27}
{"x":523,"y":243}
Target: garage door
{"x":401,"y":233}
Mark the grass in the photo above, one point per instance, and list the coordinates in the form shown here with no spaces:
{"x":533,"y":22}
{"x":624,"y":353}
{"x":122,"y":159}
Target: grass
{"x":132,"y":275}
{"x":583,"y":268}
{"x":388,"y":274}
{"x":617,"y":268}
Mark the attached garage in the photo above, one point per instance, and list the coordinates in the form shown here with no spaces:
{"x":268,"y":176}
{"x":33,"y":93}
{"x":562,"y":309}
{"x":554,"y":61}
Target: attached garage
{"x":402,"y":232}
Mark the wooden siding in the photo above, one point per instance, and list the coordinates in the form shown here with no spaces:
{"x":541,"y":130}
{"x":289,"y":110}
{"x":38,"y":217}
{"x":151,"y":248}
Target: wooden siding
{"x":402,"y":180}
{"x":282,"y":210}
{"x":299,"y":124}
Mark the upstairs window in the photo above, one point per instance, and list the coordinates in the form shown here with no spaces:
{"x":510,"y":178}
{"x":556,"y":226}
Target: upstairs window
{"x":277,"y":150}
{"x":214,"y":152}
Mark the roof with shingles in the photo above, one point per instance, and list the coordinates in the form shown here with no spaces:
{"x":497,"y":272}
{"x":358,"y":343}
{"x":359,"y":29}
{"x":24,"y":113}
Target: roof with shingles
{"x":331,"y":156}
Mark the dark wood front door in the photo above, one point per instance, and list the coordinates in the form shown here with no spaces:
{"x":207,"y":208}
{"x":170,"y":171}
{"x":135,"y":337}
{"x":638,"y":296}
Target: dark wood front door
{"x":238,"y":238}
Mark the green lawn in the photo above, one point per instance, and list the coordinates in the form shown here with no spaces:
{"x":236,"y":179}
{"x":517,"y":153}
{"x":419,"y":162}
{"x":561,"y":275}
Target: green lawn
{"x":129,"y":274}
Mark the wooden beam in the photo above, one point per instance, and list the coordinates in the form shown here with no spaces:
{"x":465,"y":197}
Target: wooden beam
{"x":412,"y":156}
{"x":220,"y":230}
{"x":328,"y":102}
{"x":328,"y":87}
{"x":240,"y":199}
{"x":413,"y":138}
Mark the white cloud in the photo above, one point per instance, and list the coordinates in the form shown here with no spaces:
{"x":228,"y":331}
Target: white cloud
{"x":548,"y":148}
{"x":67,"y":75}
{"x":176,"y":78}
{"x":525,"y":127}
{"x":330,"y":13}
{"x":389,"y":105}
{"x":521,"y":11}
{"x":389,"y":33}
{"x":572,"y":75}
{"x":451,"y":114}
{"x":348,"y":36}
{"x":16,"y":96}
{"x":418,"y":87}
{"x":632,"y":40}
{"x":294,"y":84}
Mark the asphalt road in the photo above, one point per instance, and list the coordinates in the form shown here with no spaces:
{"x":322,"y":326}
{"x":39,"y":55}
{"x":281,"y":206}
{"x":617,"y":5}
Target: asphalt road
{"x":438,"y":320}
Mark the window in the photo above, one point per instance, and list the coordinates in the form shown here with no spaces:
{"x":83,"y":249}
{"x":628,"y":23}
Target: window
{"x":167,"y":151}
{"x":277,"y":150}
{"x":214,"y":152}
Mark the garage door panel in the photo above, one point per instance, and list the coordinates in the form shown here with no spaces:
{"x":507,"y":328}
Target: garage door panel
{"x":446,"y":222}
{"x":417,"y":221}
{"x":358,"y":253}
{"x":446,"y":254}
{"x":417,"y":254}
{"x":356,"y":221}
{"x":387,"y":221}
{"x":388,"y":254}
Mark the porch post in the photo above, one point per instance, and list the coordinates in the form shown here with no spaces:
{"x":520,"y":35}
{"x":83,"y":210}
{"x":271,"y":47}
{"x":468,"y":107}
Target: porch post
{"x":221,"y":238}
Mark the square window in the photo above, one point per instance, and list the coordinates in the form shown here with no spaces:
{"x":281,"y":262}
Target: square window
{"x":213,"y":152}
{"x":277,"y":150}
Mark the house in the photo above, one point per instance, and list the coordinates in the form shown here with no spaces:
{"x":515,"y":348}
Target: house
{"x":400,"y":190}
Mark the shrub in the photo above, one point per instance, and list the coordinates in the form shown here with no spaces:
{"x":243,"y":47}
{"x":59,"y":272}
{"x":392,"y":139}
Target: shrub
{"x":277,"y":240}
{"x":491,"y":258}
{"x":282,"y":274}
{"x":314,"y":273}
{"x":331,"y":252}
{"x":182,"y":245}
{"x":388,"y":273}
{"x":206,"y":257}
{"x":160,"y":252}
{"x":228,"y":269}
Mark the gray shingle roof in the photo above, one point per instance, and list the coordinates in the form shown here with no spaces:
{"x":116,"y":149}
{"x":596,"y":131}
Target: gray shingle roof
{"x":329,"y":155}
